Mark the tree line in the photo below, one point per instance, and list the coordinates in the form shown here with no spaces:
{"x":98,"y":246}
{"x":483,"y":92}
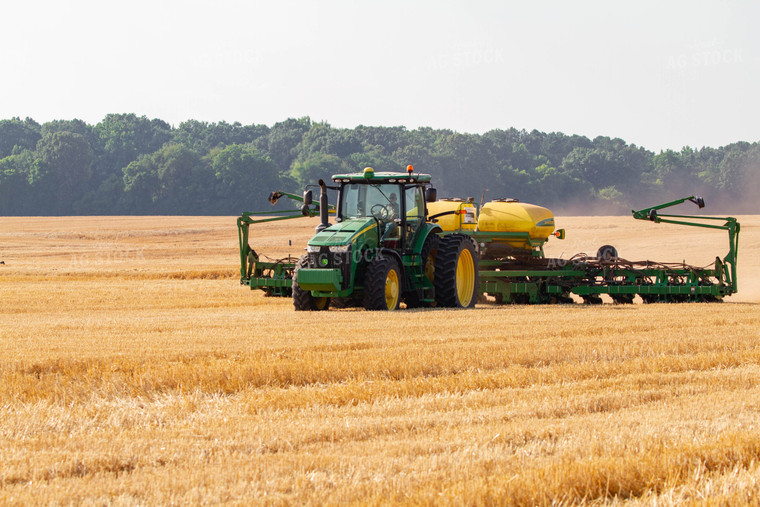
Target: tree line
{"x":129,"y":164}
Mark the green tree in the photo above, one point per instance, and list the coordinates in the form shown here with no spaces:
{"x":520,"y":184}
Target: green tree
{"x":244,"y":178}
{"x":202,"y":137}
{"x":612,"y":200}
{"x":553,"y":188}
{"x":76,"y":126}
{"x":279,"y":145}
{"x":390,"y":139}
{"x":374,"y":157}
{"x":322,"y":139}
{"x":318,"y":166}
{"x":139,"y":165}
{"x":171,"y":180}
{"x":672,"y":175}
{"x":141,"y":185}
{"x":460,"y":157}
{"x":121,"y":138}
{"x":18,"y":134}
{"x":15,"y":191}
{"x":739,"y":171}
{"x":64,"y":169}
{"x":419,"y":157}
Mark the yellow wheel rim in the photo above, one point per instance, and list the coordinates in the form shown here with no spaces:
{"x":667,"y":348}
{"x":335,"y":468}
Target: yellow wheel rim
{"x":391,"y":289}
{"x":320,"y":303}
{"x":465,"y":277}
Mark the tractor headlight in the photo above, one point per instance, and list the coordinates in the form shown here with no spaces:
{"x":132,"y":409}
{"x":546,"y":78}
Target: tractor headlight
{"x":339,"y":249}
{"x":312,"y":248}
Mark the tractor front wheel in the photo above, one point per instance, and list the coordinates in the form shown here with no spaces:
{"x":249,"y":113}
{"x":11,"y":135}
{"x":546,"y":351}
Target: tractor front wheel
{"x":456,"y":272}
{"x":303,"y":301}
{"x":382,"y":284}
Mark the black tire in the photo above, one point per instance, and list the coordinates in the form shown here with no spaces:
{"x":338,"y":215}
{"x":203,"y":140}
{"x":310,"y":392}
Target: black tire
{"x":457,"y":256}
{"x":303,"y":301}
{"x":413,"y":298}
{"x":607,"y":253}
{"x":382,"y":283}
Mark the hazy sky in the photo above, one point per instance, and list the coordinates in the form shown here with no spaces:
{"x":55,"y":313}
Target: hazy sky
{"x":658,"y":74}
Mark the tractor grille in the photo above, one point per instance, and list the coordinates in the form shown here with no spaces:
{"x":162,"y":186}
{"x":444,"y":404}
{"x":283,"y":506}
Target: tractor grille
{"x":325,"y":259}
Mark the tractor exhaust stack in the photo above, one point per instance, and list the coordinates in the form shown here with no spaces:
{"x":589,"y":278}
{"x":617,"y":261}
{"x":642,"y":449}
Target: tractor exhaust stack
{"x":323,"y":208}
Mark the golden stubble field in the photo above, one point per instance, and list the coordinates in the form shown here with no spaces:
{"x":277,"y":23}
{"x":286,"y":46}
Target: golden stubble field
{"x":134,"y":369}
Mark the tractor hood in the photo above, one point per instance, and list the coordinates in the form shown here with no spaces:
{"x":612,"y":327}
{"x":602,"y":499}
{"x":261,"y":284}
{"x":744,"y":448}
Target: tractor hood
{"x":344,"y":232}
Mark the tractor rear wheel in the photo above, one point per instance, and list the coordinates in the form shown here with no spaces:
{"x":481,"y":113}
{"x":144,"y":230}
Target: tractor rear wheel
{"x":456,"y":272}
{"x":303,"y":301}
{"x":382,"y":284}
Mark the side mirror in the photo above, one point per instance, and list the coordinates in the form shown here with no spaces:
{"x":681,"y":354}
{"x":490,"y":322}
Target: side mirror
{"x":431,"y":194}
{"x":307,"y":197}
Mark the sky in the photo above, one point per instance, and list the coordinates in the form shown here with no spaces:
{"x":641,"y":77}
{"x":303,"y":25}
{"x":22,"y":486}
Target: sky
{"x":658,"y":74}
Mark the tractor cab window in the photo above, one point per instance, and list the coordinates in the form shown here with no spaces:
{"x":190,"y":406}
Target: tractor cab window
{"x":367,"y":200}
{"x":415,"y":212}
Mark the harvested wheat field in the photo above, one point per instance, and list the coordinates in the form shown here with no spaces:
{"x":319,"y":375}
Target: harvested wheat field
{"x":136,"y":370}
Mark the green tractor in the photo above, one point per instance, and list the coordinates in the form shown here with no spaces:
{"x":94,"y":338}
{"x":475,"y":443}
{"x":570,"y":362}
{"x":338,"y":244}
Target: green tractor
{"x":382,"y":250}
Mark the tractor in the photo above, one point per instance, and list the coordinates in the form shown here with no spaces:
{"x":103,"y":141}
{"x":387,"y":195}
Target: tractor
{"x":382,"y":249}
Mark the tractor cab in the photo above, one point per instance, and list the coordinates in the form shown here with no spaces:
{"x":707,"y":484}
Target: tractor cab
{"x":392,"y":204}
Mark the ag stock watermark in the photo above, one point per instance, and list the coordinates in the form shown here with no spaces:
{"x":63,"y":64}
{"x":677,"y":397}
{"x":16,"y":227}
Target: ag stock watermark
{"x":334,"y":259}
{"x":710,"y":53}
{"x":106,"y":253}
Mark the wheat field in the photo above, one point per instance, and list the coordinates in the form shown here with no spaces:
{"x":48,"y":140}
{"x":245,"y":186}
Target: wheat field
{"x":134,"y":369}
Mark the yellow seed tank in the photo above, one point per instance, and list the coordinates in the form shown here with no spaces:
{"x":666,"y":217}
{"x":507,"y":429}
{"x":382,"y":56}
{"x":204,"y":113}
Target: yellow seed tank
{"x":507,"y":215}
{"x":465,"y":216}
